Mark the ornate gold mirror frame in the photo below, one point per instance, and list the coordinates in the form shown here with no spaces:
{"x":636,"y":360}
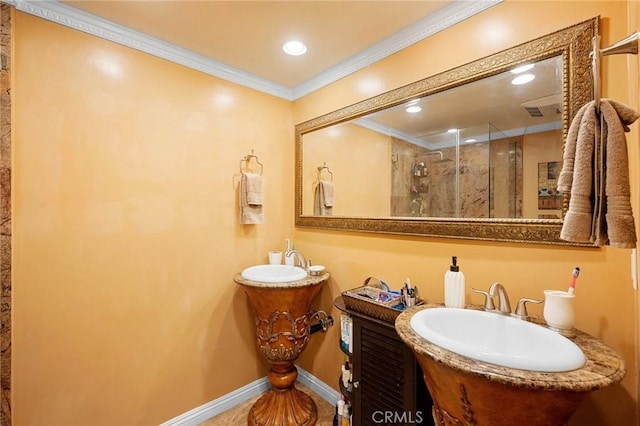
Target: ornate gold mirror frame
{"x":573,"y":43}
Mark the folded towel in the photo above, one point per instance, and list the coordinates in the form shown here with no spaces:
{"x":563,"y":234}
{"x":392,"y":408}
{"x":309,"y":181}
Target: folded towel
{"x":327,"y":191}
{"x":596,"y":173}
{"x":566,"y":174}
{"x":254,"y":188}
{"x":619,"y":216}
{"x":576,"y":176}
{"x":323,"y":202}
{"x":250,"y":213}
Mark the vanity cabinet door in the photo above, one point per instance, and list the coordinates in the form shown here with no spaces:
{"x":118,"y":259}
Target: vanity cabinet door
{"x":390,"y":388}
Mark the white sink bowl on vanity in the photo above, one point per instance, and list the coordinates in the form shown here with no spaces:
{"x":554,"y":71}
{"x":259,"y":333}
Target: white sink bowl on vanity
{"x":483,"y":368}
{"x":498,"y":339}
{"x":274,"y":273}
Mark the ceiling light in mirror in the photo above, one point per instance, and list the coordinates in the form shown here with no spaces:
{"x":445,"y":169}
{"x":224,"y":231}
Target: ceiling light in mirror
{"x":523,"y":79}
{"x":522,"y":68}
{"x":294,"y":48}
{"x":452,"y":130}
{"x":412,"y":109}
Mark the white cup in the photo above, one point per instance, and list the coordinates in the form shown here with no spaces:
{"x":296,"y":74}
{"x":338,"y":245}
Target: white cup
{"x":275,"y":257}
{"x":558,"y":311}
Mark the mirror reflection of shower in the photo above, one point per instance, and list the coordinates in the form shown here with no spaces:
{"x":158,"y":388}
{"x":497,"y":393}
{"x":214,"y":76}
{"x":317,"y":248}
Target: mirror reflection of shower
{"x":471,"y":172}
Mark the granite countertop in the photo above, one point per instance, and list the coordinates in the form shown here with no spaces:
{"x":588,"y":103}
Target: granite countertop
{"x":603,"y":367}
{"x":309,"y":280}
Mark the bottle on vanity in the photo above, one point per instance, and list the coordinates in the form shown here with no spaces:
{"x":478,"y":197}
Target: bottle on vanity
{"x":454,"y":286}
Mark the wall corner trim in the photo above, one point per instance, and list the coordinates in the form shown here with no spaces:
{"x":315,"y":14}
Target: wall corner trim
{"x":75,"y":18}
{"x":253,"y":389}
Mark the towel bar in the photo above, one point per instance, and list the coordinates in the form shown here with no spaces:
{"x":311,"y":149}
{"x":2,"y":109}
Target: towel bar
{"x":628,"y":45}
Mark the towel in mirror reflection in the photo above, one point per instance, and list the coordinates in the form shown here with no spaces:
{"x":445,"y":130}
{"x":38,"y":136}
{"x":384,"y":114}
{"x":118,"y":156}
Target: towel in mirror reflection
{"x":323,"y":203}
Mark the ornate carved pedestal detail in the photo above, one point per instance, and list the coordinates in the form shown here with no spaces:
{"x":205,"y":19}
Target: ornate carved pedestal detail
{"x":283,"y":404}
{"x":466,"y":399}
{"x":282,"y":331}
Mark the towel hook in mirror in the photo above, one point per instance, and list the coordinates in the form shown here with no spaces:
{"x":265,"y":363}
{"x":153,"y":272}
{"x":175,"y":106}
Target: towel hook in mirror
{"x":321,"y":168}
{"x":248,"y":158}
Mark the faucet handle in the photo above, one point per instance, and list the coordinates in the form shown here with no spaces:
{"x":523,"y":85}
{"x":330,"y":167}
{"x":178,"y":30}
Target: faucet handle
{"x":488,"y":299}
{"x":521,"y":309}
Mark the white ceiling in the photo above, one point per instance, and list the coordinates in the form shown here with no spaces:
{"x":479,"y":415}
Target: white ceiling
{"x":241,"y":41}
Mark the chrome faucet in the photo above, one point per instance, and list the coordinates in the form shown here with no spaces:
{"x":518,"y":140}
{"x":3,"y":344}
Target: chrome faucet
{"x":504,"y":307}
{"x":301,"y":260}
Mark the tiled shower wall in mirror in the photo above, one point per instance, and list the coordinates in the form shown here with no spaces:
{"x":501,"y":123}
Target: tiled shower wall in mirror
{"x":424,"y":182}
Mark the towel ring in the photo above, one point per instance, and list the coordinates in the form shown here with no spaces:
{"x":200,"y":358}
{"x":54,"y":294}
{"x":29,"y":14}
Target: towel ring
{"x":247,"y":158}
{"x":320,"y":168}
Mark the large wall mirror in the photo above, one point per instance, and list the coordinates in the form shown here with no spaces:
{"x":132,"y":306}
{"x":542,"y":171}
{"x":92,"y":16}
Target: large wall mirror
{"x":473,"y":152}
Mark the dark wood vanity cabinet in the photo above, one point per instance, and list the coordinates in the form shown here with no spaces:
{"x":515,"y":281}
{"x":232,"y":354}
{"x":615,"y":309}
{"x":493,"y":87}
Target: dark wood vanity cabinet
{"x":388,"y":384}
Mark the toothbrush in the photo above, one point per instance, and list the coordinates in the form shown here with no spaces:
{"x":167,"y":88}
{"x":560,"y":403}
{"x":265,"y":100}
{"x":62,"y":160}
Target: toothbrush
{"x":572,"y":286}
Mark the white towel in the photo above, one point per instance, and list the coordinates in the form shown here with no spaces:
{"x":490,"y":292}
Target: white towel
{"x":250,"y":194}
{"x":254,"y":189}
{"x":323,"y":203}
{"x":327,"y":192}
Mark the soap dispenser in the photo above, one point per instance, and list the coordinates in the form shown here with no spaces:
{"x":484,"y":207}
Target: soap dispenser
{"x":454,"y":286}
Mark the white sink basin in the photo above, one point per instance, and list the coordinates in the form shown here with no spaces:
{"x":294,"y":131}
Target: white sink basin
{"x":274,"y":273}
{"x":498,"y":339}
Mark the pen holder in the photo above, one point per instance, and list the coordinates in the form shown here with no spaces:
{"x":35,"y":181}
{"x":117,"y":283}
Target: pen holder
{"x":558,"y":312}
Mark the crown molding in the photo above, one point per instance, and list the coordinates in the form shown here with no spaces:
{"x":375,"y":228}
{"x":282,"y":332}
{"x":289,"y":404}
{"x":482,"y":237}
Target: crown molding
{"x":426,"y":27}
{"x":77,"y":19}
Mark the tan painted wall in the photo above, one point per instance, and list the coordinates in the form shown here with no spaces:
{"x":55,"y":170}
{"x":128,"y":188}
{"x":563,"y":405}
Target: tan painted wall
{"x":369,"y":174}
{"x":538,"y":148}
{"x":633,"y":67}
{"x":126,"y":238}
{"x":606,"y":303}
{"x":126,"y":235}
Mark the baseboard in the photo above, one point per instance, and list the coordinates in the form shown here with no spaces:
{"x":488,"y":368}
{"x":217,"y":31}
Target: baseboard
{"x":220,"y":405}
{"x":319,"y":387}
{"x":238,"y":396}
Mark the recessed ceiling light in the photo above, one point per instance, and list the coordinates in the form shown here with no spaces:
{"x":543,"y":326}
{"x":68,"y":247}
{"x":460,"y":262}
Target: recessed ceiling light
{"x":522,"y":68}
{"x":452,"y":130}
{"x":295,"y":48}
{"x":412,"y":109}
{"x":471,"y":140}
{"x":523,"y":79}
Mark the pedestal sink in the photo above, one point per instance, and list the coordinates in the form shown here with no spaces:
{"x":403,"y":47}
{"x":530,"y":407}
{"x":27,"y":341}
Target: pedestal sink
{"x":281,"y":303}
{"x":487,"y":369}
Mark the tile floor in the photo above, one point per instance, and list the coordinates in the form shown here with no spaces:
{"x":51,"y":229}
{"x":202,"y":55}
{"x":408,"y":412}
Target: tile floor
{"x":237,"y":416}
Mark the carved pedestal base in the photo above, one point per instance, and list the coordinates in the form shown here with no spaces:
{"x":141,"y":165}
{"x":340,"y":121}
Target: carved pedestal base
{"x":293,"y":408}
{"x":282,"y":332}
{"x":283,"y":404}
